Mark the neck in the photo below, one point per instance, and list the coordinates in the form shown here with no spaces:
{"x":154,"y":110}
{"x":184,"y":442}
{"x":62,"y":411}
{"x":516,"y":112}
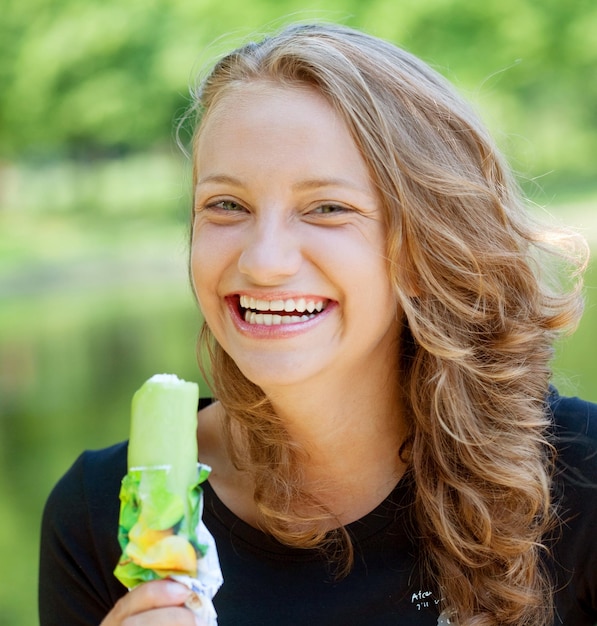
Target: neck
{"x":350,"y":432}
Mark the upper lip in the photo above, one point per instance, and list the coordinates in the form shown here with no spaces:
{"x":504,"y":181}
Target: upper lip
{"x":280,"y":303}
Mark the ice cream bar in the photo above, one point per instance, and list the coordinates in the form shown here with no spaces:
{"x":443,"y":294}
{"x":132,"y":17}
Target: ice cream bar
{"x":164,"y":431}
{"x":160,"y":529}
{"x":160,"y":494}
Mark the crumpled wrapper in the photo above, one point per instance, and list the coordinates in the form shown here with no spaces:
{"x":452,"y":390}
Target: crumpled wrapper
{"x":163,"y":537}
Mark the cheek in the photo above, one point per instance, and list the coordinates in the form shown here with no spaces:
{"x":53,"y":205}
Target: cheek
{"x":372,"y":287}
{"x":195,"y":273}
{"x":203,"y":266}
{"x":212,"y":258}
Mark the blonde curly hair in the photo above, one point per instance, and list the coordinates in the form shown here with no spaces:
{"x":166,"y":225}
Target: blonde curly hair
{"x":473,"y":276}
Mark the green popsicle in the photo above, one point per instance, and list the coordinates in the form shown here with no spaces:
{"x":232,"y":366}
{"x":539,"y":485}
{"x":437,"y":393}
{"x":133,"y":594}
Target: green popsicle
{"x":160,"y":494}
{"x":164,"y":430}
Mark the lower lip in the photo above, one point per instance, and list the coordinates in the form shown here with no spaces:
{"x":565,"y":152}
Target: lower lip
{"x":276,"y":331}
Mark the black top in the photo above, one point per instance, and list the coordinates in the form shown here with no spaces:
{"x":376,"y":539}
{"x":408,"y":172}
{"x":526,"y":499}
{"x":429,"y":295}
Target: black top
{"x":268,"y":583}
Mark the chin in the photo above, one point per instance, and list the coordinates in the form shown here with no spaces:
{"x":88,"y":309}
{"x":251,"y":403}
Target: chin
{"x":275,"y":374}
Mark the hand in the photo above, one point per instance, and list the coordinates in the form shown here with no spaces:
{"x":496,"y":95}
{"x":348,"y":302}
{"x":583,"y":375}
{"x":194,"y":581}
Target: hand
{"x":157,"y":603}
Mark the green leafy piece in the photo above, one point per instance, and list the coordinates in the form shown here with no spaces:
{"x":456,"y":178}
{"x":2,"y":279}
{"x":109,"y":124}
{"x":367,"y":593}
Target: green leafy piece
{"x":156,"y":538}
{"x":161,"y":508}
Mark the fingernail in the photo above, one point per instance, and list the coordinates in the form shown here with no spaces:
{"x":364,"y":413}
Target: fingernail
{"x":177,"y":591}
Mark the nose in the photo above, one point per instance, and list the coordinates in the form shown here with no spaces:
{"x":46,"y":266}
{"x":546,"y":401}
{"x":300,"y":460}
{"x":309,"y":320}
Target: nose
{"x":271,"y":253}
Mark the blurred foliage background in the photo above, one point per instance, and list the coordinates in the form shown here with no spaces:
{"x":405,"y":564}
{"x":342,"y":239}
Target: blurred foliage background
{"x":94,"y":197}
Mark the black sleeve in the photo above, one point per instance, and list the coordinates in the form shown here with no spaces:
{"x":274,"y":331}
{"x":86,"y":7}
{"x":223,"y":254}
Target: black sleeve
{"x":79,"y":547}
{"x":575,"y":551}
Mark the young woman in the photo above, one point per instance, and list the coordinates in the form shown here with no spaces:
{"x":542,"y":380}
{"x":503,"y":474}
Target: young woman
{"x":385,"y":445}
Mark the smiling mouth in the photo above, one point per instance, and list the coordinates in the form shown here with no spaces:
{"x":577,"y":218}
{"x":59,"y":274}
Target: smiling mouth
{"x":276,"y":312}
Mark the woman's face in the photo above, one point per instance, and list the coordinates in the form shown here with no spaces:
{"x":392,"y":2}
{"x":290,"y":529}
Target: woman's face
{"x":288,"y":240}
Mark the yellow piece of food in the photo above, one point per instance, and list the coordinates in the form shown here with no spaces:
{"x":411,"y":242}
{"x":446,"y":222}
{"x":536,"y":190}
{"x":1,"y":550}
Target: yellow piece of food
{"x":172,"y":554}
{"x":144,"y":537}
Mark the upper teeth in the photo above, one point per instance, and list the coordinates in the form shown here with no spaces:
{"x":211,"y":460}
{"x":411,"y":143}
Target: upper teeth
{"x":290,"y":305}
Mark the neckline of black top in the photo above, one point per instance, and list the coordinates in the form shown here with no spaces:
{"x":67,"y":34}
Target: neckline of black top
{"x":392,"y":511}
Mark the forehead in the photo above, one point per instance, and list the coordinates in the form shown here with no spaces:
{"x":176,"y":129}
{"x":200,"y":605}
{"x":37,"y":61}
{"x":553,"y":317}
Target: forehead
{"x":274,"y":123}
{"x":267,"y":102}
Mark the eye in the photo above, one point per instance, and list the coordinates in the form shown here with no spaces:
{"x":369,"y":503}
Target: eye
{"x":222,"y":210}
{"x":226,"y":206}
{"x":330,"y":209}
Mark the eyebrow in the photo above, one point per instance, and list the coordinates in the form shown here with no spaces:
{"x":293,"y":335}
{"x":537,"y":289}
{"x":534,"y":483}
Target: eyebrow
{"x":315,"y":183}
{"x":220,"y":178}
{"x":303,"y":185}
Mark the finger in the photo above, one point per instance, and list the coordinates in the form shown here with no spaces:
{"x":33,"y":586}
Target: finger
{"x":152,"y":595}
{"x":167,"y":616}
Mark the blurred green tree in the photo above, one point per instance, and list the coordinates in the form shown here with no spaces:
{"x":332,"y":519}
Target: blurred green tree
{"x":106,"y":77}
{"x":529,"y":65}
